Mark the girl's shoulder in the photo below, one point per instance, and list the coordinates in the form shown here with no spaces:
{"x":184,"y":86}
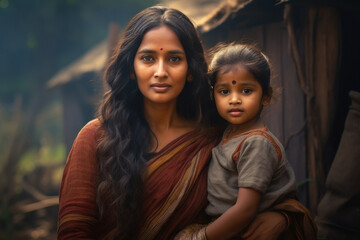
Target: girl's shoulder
{"x":259,"y":138}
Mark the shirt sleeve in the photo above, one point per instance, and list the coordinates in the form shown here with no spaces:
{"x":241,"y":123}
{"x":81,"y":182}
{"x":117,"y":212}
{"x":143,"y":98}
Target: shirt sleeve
{"x":77,"y":198}
{"x":256,"y":163}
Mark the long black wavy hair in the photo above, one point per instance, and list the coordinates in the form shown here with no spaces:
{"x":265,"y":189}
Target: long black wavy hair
{"x":124,"y":148}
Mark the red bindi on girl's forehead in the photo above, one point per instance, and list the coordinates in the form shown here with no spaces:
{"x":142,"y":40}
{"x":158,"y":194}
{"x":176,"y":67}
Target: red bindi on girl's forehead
{"x":161,"y":49}
{"x":233,"y":82}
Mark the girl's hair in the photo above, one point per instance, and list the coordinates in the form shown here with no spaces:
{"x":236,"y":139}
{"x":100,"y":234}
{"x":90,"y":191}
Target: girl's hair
{"x":249,"y":56}
{"x":223,"y":57}
{"x":124,"y":148}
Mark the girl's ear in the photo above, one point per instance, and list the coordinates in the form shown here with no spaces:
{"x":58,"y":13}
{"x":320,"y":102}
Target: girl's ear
{"x":267,"y":98}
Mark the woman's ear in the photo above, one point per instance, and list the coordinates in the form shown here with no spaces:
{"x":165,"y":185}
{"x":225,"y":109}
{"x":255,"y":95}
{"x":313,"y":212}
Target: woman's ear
{"x":132,"y":76}
{"x":189,"y":77}
{"x":267,"y":98}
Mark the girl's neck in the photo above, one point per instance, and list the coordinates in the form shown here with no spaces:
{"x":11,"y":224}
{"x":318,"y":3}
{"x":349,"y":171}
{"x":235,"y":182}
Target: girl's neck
{"x":236,"y":129}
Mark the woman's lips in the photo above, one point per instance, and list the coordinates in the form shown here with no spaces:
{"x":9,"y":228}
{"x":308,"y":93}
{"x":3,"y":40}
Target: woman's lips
{"x":160,"y":87}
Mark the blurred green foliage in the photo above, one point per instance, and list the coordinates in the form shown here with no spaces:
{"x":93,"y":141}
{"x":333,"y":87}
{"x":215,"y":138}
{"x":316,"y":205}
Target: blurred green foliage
{"x":39,"y":37}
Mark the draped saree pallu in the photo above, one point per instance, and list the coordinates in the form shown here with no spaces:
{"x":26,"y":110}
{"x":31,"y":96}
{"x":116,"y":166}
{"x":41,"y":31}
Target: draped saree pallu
{"x":175,"y":192}
{"x":175,"y":189}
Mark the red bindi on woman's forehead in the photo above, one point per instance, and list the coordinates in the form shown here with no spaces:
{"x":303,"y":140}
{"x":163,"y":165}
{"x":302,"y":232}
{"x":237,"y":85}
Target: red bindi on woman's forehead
{"x":233,"y":82}
{"x":161,"y":49}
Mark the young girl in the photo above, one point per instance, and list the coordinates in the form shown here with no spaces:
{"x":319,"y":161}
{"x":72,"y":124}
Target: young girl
{"x":248,"y":172}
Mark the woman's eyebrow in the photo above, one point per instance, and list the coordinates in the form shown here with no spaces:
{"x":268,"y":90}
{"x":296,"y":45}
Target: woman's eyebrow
{"x":153,"y":51}
{"x":146,"y":51}
{"x":176,"y":52}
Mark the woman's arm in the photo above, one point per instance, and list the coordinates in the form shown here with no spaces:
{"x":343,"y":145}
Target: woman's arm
{"x":77,"y":201}
{"x":267,"y":225}
{"x":236,"y":218}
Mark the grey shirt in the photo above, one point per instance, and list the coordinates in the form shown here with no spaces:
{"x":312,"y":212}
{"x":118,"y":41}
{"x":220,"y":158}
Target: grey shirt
{"x":255,"y":159}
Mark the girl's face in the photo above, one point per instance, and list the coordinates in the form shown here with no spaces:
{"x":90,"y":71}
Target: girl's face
{"x":160,"y":66}
{"x":238,"y":96}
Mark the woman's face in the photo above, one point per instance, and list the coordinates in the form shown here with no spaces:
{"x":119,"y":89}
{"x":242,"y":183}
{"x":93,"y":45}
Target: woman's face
{"x":160,"y":66}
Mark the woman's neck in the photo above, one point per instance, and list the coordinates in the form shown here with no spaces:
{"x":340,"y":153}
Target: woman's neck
{"x":161,"y":117}
{"x":166,"y":123}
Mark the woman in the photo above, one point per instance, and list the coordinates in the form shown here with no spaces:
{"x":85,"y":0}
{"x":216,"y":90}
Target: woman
{"x":139,"y":170}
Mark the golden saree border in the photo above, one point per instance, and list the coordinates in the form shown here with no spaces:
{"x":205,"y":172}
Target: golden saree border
{"x":158,"y":162}
{"x":159,"y":217}
{"x":302,"y":224}
{"x":75,"y":217}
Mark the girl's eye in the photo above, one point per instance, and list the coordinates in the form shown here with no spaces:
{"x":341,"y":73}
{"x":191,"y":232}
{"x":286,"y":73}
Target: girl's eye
{"x":246,"y":91}
{"x":224,"y":91}
{"x":147,"y":58}
{"x":174,"y":59}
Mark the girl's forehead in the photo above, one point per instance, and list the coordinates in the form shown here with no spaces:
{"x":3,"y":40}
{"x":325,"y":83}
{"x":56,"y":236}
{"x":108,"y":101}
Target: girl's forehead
{"x":232,"y":68}
{"x":234,"y":74}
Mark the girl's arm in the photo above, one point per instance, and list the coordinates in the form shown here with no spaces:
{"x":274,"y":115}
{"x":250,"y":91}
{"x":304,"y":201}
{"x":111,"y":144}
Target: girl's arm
{"x":236,"y":218}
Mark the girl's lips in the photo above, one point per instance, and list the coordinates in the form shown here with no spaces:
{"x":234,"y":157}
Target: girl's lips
{"x":235,"y":112}
{"x":160,"y":87}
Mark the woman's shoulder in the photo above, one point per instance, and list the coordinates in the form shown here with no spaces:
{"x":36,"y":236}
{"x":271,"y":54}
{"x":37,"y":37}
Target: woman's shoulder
{"x":92,"y":125}
{"x":91,"y":130}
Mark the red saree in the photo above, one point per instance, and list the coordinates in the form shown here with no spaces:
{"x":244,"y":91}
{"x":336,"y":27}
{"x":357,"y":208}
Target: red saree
{"x":175,"y":188}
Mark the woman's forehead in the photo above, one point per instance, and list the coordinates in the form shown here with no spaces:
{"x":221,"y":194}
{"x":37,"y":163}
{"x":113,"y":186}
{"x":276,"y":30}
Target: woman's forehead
{"x":161,"y":38}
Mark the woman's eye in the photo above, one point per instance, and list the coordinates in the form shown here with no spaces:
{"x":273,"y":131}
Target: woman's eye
{"x":224,"y":91}
{"x":147,"y":58}
{"x":247,"y":91}
{"x":174,"y":59}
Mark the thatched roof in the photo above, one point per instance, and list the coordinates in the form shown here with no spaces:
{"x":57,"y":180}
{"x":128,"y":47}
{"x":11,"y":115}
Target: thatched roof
{"x":206,"y":14}
{"x":92,"y":62}
{"x":195,"y":9}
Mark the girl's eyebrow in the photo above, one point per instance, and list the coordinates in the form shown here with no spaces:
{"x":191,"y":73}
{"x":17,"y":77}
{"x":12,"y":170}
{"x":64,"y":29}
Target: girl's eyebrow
{"x":153,"y":51}
{"x":221,"y":84}
{"x":248,"y":84}
{"x":242,"y":84}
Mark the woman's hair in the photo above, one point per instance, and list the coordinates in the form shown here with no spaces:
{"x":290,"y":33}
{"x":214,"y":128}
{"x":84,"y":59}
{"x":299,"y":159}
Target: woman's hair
{"x":250,"y":57}
{"x":124,"y":148}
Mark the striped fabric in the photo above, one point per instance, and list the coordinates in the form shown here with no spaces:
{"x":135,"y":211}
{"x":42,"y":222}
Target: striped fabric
{"x":175,"y":188}
{"x":175,"y":194}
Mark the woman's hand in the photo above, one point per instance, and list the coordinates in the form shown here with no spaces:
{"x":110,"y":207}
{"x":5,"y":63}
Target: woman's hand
{"x":195,"y":231}
{"x":266,"y":226}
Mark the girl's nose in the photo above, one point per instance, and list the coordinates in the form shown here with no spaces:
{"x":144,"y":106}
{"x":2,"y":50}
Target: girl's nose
{"x":160,"y":71}
{"x":235,"y":100}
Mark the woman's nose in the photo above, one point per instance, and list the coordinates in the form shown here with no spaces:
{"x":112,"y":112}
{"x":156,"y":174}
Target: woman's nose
{"x":160,"y":71}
